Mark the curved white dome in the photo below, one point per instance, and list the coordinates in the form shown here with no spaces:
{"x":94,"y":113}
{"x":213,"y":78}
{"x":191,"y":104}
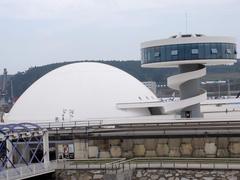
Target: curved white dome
{"x":80,"y":91}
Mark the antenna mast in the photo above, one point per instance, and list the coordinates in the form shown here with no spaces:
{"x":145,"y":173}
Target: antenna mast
{"x":186,"y":22}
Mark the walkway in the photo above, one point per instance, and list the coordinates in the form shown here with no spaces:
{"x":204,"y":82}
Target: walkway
{"x":116,"y":165}
{"x":29,"y":171}
{"x":152,"y":163}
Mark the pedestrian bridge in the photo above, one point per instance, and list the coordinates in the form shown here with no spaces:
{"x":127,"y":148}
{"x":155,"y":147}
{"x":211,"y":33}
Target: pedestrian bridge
{"x":24,"y":151}
{"x":24,"y":172}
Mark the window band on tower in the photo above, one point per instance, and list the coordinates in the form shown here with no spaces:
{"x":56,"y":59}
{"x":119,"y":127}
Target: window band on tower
{"x":192,"y":51}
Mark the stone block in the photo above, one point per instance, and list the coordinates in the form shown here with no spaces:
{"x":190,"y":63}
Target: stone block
{"x":174,"y":152}
{"x":210,"y":149}
{"x":103,"y":145}
{"x":198,"y":143}
{"x":234,"y":148}
{"x":150,"y":144}
{"x":104,"y":154}
{"x":222,"y":142}
{"x":114,"y":142}
{"x":186,"y":149}
{"x":234,"y":139}
{"x":139,"y":150}
{"x":210,"y":140}
{"x":127,"y":145}
{"x":80,"y":149}
{"x":174,"y":142}
{"x":222,"y":153}
{"x":85,"y":177}
{"x":138,"y":141}
{"x":139,"y":174}
{"x":187,"y":140}
{"x":154,"y":177}
{"x":91,"y":142}
{"x":162,"y":150}
{"x":116,"y":151}
{"x":198,"y":153}
{"x":97,"y":142}
{"x":208,"y":178}
{"x":93,"y":151}
{"x":110,"y":177}
{"x":162,"y":141}
{"x":127,"y":154}
{"x":97,"y":176}
{"x":151,"y":153}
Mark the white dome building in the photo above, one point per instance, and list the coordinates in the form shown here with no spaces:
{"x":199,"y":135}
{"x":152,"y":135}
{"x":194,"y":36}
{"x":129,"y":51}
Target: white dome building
{"x":81,"y":91}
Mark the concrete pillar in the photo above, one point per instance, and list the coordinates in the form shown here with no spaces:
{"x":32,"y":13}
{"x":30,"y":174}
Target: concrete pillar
{"x":80,"y":148}
{"x":9,"y":152}
{"x":190,"y":89}
{"x":45,"y":147}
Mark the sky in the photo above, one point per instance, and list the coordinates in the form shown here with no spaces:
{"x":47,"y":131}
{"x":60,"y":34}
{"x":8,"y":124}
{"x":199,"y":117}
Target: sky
{"x":39,"y":32}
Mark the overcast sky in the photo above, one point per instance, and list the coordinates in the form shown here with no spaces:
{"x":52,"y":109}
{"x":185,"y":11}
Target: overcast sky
{"x":38,"y":32}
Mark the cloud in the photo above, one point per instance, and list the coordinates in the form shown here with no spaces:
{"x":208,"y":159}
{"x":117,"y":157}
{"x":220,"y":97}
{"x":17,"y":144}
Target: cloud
{"x":80,"y":9}
{"x":38,"y":31}
{"x":47,"y":9}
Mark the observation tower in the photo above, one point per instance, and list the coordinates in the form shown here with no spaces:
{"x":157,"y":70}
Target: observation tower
{"x":190,"y":53}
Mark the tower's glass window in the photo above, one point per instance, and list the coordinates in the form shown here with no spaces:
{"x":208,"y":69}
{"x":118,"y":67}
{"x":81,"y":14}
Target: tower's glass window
{"x":157,"y":54}
{"x":149,"y":55}
{"x":174,"y":52}
{"x":214,"y":51}
{"x":195,"y":51}
{"x":192,"y":51}
{"x":228,"y":51}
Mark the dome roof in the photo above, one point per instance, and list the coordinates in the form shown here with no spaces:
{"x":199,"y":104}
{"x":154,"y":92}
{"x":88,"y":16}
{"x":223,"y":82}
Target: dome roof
{"x":80,"y":91}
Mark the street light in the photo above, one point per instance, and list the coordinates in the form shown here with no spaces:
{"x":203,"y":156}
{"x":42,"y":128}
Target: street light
{"x":219,"y":82}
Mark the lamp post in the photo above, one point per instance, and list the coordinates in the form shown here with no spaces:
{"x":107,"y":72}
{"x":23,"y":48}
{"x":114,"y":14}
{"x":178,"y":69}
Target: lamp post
{"x":228,"y":88}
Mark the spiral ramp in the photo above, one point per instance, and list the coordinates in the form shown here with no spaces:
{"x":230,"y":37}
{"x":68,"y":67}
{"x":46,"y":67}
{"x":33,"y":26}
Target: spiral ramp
{"x":177,"y":81}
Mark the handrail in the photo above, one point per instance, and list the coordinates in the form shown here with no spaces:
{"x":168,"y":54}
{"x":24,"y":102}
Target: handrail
{"x":171,"y":122}
{"x":64,"y":124}
{"x":121,"y":164}
{"x":23,"y":172}
{"x":180,"y":163}
{"x":157,"y":162}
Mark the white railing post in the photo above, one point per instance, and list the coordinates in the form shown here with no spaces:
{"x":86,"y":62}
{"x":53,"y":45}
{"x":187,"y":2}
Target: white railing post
{"x":46,"y":148}
{"x":9,"y":152}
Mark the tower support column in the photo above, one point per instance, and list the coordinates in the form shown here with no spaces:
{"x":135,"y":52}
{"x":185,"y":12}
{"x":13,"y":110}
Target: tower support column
{"x":190,"y":89}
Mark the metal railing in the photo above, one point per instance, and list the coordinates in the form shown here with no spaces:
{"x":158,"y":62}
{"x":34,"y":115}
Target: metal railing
{"x":169,"y":122}
{"x":180,"y":163}
{"x":121,"y":165}
{"x":115,"y":165}
{"x":70,"y":124}
{"x":102,"y":163}
{"x":24,"y":172}
{"x":153,"y":126}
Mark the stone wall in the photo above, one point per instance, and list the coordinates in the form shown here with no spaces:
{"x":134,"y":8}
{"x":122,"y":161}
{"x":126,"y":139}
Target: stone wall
{"x":165,"y":147}
{"x":78,"y":175}
{"x":149,"y":174}
{"x":157,"y":174}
